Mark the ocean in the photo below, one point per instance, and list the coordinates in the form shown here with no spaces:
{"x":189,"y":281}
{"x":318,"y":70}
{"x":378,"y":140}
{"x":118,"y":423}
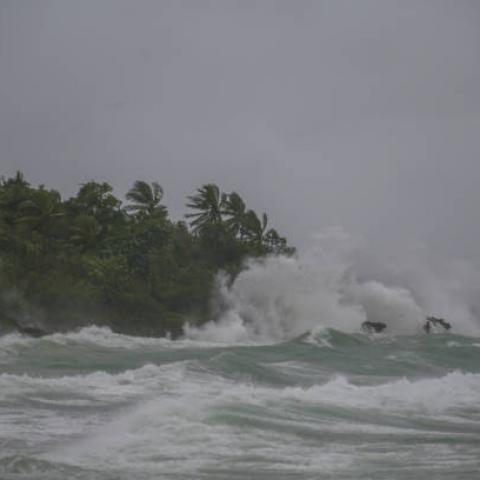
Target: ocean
{"x":284,"y":384}
{"x":325,"y":404}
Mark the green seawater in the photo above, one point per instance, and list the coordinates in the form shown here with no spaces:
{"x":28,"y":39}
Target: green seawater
{"x":330,"y":405}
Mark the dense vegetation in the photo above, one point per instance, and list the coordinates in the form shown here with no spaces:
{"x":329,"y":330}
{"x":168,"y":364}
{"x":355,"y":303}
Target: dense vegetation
{"x":88,"y":259}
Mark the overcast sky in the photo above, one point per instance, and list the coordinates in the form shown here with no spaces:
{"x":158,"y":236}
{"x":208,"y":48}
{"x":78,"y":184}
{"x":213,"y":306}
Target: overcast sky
{"x":363,"y":114}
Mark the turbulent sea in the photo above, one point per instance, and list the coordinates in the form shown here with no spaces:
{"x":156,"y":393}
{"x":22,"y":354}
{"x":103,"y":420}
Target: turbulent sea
{"x":326,"y":404}
{"x":283,"y":385}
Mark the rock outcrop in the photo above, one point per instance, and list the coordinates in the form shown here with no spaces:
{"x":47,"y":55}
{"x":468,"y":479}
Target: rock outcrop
{"x":373,"y":327}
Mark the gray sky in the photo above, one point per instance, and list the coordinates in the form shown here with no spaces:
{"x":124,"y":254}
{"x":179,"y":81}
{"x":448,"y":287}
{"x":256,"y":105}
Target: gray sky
{"x":363,"y":114}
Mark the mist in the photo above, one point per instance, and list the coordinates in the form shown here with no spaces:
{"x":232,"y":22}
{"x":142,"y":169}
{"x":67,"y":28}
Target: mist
{"x":330,"y":285}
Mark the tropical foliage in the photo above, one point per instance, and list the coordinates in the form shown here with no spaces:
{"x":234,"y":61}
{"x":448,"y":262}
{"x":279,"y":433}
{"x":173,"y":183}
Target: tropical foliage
{"x":89,"y":259}
{"x":208,"y":203}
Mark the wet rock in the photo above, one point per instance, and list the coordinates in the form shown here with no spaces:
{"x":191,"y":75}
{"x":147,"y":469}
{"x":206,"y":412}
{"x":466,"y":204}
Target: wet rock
{"x":433,"y":321}
{"x":373,"y":327}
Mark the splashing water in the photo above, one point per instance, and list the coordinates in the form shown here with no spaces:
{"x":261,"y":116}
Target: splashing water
{"x":95,"y":404}
{"x":279,"y":298}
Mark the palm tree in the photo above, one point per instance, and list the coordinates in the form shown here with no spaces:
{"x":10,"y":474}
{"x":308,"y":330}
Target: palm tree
{"x":146,"y":198}
{"x":253,"y":228}
{"x":234,"y":208}
{"x":209,"y":204}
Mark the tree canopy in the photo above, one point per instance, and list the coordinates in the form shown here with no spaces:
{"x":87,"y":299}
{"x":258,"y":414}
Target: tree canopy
{"x":90,"y":259}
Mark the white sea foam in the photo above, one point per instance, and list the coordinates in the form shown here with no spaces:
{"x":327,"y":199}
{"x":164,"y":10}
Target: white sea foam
{"x":433,"y":395}
{"x":10,"y":343}
{"x":42,"y":409}
{"x":319,"y":336}
{"x":104,"y":337}
{"x":14,"y":339}
{"x":99,"y":386}
{"x":281,"y":298}
{"x":97,"y":337}
{"x":182,"y":427}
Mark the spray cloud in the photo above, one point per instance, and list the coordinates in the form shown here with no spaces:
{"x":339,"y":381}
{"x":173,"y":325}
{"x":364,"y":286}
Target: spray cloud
{"x":282,"y":297}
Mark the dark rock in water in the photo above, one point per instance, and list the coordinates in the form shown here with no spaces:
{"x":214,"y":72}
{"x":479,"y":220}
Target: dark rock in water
{"x":376,"y":327}
{"x":436,"y":321}
{"x":32,"y":330}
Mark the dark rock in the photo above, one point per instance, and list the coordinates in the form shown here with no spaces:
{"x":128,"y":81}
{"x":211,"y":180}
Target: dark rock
{"x":371,"y":327}
{"x":436,"y":321}
{"x":33,"y":331}
{"x":30,"y":330}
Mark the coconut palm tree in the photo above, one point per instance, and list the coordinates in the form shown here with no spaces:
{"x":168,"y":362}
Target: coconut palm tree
{"x":146,"y":198}
{"x":234,"y":208}
{"x":253,"y":228}
{"x":209,"y":203}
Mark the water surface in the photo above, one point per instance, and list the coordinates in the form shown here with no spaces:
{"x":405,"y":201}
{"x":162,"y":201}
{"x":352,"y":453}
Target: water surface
{"x":98,"y":405}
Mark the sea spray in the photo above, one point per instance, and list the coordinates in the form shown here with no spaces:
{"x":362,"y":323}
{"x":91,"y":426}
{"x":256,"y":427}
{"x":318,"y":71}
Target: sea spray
{"x":282,"y":297}
{"x":448,"y":287}
{"x":392,"y":305}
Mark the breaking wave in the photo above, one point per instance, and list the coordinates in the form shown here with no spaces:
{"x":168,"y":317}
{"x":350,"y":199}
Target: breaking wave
{"x":192,"y":433}
{"x":282,"y":297}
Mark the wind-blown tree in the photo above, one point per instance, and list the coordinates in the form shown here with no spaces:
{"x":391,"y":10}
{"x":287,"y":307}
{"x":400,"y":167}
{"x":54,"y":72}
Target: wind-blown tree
{"x":234,"y":209}
{"x":253,"y":228}
{"x":96,"y":199}
{"x":146,"y":199}
{"x":209,"y":204}
{"x":150,"y":229}
{"x":265,"y":241}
